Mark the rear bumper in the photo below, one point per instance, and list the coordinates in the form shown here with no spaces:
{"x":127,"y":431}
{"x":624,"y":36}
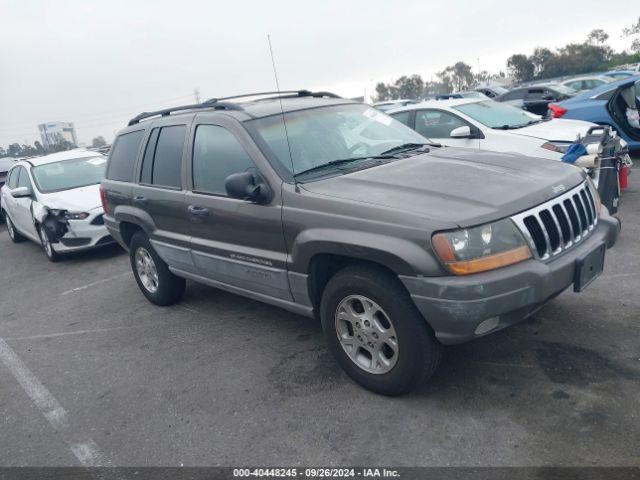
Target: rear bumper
{"x":462,"y":308}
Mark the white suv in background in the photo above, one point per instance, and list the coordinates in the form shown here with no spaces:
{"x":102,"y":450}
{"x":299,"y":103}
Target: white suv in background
{"x":489,"y":125}
{"x":55,"y":201}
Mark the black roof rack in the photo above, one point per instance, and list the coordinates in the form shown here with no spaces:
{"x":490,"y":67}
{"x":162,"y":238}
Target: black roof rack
{"x":222,"y":104}
{"x":281,"y":93}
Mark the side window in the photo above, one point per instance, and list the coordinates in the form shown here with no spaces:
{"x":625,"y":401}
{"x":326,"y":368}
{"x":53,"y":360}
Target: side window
{"x":12,"y":182}
{"x":216,"y":155}
{"x":513,"y":95}
{"x":437,"y":123}
{"x":403,"y":117}
{"x":23,"y":179}
{"x":577,"y":85}
{"x":147,"y":159}
{"x":535,"y":94}
{"x":167,"y":160}
{"x":122,"y":158}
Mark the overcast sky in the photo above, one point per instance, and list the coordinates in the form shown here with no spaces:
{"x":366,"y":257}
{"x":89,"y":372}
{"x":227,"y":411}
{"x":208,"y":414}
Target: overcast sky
{"x":98,"y":63}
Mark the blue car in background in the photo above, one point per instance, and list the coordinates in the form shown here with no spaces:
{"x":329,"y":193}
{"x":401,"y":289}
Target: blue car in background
{"x":605,"y":105}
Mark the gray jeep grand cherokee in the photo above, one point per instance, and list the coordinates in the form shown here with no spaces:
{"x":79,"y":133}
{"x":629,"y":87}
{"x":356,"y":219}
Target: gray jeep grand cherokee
{"x":330,"y":208}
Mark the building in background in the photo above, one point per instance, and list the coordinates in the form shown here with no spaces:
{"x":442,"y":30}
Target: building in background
{"x":53,"y":133}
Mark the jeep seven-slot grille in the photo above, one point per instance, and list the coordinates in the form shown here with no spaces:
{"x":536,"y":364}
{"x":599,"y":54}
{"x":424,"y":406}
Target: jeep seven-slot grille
{"x":559,"y":224}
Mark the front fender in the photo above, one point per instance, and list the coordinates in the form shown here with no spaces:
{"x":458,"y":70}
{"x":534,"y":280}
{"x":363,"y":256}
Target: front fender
{"x":402,"y":256}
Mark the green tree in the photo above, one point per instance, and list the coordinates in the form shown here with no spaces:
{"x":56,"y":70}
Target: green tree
{"x":39,"y":148}
{"x":62,"y":146}
{"x":541,"y":56}
{"x":14,"y":150}
{"x":597,"y":36}
{"x":99,"y":141}
{"x":457,"y":77}
{"x":520,"y":67}
{"x":408,"y":87}
{"x":382,"y":92}
{"x":634,"y":33}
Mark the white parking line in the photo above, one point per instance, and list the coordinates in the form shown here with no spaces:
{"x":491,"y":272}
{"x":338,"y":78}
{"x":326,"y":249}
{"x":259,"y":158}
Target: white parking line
{"x":73,"y":332}
{"x":86,"y":451}
{"x":93,"y":284}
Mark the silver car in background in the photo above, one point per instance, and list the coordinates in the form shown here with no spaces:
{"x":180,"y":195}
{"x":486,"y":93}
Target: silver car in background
{"x":54,"y":200}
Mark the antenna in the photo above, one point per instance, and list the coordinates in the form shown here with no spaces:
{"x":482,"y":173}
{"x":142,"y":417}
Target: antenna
{"x":284,"y":122}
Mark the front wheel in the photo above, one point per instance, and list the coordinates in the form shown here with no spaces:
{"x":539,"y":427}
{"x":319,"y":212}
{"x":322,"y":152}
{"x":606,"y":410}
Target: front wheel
{"x":375,"y":331}
{"x":153,"y":276}
{"x":48,"y":248}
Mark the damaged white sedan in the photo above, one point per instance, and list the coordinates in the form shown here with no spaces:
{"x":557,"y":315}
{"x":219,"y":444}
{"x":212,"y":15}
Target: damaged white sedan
{"x":55,"y":201}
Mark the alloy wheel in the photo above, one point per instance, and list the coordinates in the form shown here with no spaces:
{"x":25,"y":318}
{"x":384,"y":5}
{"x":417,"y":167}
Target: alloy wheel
{"x":46,"y":244}
{"x":366,"y":334}
{"x":146,"y":268}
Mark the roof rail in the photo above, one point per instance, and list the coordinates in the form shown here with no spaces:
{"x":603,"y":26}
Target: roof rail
{"x":222,"y":104}
{"x":281,"y":93}
{"x":168,"y":111}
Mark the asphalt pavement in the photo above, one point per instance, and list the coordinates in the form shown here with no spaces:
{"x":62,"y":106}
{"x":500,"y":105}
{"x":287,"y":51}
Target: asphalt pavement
{"x":91,"y":373}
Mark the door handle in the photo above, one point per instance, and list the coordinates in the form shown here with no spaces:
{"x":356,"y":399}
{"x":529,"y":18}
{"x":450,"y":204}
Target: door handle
{"x":140,"y":199}
{"x":197,"y":210}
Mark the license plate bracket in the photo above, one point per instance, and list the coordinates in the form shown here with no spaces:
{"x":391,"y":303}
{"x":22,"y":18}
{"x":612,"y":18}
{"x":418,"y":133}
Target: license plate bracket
{"x":588,"y":268}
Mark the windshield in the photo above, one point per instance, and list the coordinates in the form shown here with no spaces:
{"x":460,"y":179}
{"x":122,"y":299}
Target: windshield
{"x":497,"y":115}
{"x":318,"y":136}
{"x":68,"y":174}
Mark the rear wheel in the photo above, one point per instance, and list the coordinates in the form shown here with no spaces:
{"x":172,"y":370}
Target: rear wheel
{"x":375,"y":331}
{"x":48,"y":248}
{"x":152,"y":274}
{"x":14,"y":235}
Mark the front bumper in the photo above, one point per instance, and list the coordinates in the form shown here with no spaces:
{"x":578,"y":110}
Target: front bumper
{"x":83,"y":235}
{"x":461,"y":308}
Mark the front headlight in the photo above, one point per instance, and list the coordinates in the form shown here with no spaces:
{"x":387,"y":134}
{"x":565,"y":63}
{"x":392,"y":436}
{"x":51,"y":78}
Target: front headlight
{"x":477,"y":249}
{"x":76,"y":215}
{"x":558,"y":147}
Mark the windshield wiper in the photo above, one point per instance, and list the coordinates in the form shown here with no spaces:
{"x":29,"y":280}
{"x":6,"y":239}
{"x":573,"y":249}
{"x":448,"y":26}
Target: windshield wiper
{"x":515,"y":127}
{"x":342,"y":161}
{"x":404,"y":147}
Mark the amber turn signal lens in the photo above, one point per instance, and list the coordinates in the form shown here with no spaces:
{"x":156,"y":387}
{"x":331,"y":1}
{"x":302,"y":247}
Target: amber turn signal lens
{"x":490,"y":262}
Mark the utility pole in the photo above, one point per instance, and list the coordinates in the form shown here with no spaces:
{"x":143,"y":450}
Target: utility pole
{"x":196,"y":93}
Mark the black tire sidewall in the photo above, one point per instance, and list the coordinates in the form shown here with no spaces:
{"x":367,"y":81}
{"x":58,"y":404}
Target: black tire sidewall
{"x":413,"y":335}
{"x":170,"y":287}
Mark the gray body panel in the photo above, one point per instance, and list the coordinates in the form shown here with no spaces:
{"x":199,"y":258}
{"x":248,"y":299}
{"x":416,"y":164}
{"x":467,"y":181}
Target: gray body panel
{"x":385,"y":215}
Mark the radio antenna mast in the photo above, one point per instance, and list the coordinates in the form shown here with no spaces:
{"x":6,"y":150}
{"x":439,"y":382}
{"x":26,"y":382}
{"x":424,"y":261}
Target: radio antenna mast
{"x":284,"y":122}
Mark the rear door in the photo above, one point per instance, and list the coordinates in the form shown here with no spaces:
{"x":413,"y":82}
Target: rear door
{"x":159,"y":192}
{"x":234,"y":242}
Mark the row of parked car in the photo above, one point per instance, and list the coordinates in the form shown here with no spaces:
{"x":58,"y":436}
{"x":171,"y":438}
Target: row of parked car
{"x":607,"y":99}
{"x":332,"y":209}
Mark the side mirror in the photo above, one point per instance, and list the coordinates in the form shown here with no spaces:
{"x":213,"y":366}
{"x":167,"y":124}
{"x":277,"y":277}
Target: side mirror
{"x":248,"y":186}
{"x":461,"y":132}
{"x":21,"y":192}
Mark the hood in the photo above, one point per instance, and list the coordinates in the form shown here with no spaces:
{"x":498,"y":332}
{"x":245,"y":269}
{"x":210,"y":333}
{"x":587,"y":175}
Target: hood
{"x":453,"y":185}
{"x":83,"y":199}
{"x":556,"y":129}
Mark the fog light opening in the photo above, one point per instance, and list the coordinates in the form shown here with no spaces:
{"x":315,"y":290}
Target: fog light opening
{"x":487,"y":325}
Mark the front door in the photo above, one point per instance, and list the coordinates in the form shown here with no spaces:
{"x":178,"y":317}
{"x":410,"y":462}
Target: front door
{"x":438,"y":125}
{"x":234,"y":242}
{"x":22,"y":216}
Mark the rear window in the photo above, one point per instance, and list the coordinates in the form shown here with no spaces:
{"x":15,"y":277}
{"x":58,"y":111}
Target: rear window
{"x":122,"y":160}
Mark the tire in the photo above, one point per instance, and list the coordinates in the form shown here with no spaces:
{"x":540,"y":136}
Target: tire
{"x":417,"y":353}
{"x":48,"y":248}
{"x":14,"y":235}
{"x":152,"y":274}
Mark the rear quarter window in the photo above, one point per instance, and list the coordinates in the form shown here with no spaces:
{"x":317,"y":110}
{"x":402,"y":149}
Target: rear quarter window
{"x":122,"y":158}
